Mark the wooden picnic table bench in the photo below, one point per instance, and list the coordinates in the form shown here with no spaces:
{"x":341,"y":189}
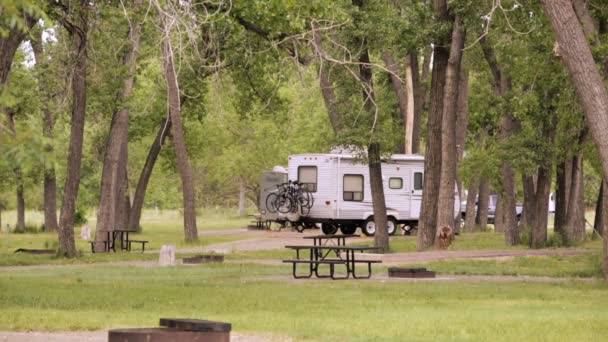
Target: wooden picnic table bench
{"x":122,"y":235}
{"x":319,"y":255}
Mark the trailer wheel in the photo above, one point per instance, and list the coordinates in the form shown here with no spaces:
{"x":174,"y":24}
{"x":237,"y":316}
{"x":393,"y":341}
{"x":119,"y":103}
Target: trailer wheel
{"x":348,"y":229}
{"x":391,"y":224}
{"x":369,"y":227}
{"x":329,"y":229}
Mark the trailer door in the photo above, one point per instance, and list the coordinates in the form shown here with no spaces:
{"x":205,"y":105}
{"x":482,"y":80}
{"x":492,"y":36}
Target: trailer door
{"x":416,"y":197}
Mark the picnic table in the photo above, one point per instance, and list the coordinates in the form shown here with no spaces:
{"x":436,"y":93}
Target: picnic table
{"x":331,"y":250}
{"x":122,"y":235}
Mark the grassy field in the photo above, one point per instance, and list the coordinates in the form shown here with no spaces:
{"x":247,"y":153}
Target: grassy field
{"x":582,"y":265}
{"x":76,"y":298}
{"x":157,"y":227}
{"x":264,"y":299}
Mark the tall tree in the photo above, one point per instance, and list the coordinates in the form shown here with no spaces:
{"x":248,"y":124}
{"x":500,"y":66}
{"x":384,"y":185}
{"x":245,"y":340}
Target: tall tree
{"x":111,"y":214}
{"x":501,"y":83}
{"x":75,"y":19}
{"x":576,"y":55}
{"x":432,"y":160}
{"x":50,"y":183}
{"x":167,"y":22}
{"x":445,"y":210}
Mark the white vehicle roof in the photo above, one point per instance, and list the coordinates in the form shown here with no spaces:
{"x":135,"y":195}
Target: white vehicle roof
{"x":393,"y":157}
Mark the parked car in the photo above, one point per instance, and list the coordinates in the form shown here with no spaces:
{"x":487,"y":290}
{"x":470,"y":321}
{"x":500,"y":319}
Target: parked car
{"x":492,"y":208}
{"x":492,"y":201}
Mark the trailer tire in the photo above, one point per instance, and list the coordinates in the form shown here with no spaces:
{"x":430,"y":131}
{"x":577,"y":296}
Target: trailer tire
{"x":348,"y":229}
{"x":369,"y":227}
{"x":329,"y":228}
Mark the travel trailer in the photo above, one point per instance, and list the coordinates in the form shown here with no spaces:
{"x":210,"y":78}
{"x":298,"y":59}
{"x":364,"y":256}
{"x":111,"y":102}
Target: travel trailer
{"x":340,"y":188}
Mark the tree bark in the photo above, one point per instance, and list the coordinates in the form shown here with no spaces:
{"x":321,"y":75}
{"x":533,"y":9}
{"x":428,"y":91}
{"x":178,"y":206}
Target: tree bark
{"x":461,"y":130}
{"x":574,"y":231}
{"x":183,"y":163}
{"x":600,"y":211}
{"x":501,"y":83}
{"x":432,"y":160}
{"x":374,"y":161}
{"x":482,"y":203}
{"x":9,"y":44}
{"x":18,"y":173}
{"x":445,"y":210}
{"x":528,"y":216}
{"x":419,"y":87}
{"x":469,"y":223}
{"x":604,"y":230}
{"x":146,"y":173}
{"x":562,"y":194}
{"x":499,"y":216}
{"x":541,"y":209}
{"x":578,"y":60}
{"x":78,"y":31}
{"x":112,"y":213}
{"x":50,"y":182}
{"x":379,"y":204}
{"x":327,"y":88}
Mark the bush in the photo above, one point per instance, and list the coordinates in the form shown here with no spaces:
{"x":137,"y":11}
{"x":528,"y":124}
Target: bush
{"x":80,"y":217}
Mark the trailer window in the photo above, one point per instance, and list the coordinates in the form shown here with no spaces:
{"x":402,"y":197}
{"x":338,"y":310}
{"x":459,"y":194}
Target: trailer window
{"x":395,"y":183}
{"x":307,"y":176}
{"x":417,"y":180}
{"x":353,"y":188}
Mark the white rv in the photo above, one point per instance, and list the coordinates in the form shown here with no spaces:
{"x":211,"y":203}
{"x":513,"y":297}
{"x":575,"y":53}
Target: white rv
{"x":340,"y":186}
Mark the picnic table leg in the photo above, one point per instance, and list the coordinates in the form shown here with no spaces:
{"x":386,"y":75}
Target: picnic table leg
{"x":369,"y":270}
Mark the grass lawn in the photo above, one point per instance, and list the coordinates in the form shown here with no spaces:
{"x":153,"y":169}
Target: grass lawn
{"x":103,"y":297}
{"x":158,"y":228}
{"x":581,"y":265}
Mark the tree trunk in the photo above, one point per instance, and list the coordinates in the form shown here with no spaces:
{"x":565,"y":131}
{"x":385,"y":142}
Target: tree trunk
{"x":562,"y":194}
{"x":469,"y":223}
{"x":242,"y":201}
{"x":327,"y":88}
{"x":146,"y":173}
{"x":375,"y":179}
{"x":499,"y":216}
{"x":410,"y":120}
{"x":374,"y":161}
{"x":501,"y":83}
{"x":482,"y":203}
{"x":78,"y":33}
{"x":528,"y":215}
{"x":600,"y":211}
{"x":445,"y":205}
{"x":604,"y":230}
{"x":50,"y":183}
{"x":420,"y":89}
{"x":432,"y":161}
{"x":20,"y":201}
{"x":541,"y":210}
{"x":575,"y":224}
{"x":578,"y":60}
{"x":112,"y":213}
{"x":461,"y":130}
{"x":183,"y":163}
{"x":9,"y":44}
{"x":18,"y":173}
{"x":402,"y":100}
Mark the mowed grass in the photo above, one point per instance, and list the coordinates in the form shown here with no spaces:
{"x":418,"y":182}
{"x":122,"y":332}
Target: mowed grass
{"x":104,"y":297}
{"x":581,"y":265}
{"x":158,"y":228}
